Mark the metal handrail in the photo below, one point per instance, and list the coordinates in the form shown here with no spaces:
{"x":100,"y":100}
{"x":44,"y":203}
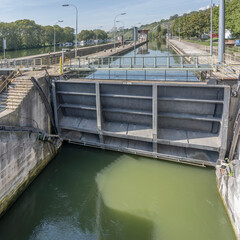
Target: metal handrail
{"x":6,"y":81}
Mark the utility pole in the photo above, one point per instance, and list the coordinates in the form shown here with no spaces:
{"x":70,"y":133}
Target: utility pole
{"x":4,"y":47}
{"x":114,"y":38}
{"x":221,"y":32}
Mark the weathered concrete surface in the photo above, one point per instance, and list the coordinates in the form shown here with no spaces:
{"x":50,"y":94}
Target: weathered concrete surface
{"x":228,"y":174}
{"x":30,"y":112}
{"x":22,"y":157}
{"x":229,"y":188}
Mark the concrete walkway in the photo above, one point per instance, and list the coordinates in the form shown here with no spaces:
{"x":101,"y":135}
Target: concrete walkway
{"x":229,"y":71}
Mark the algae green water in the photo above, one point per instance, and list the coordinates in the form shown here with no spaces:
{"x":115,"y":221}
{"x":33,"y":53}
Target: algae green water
{"x":92,"y":194}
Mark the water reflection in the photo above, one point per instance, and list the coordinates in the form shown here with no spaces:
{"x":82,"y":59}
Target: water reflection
{"x":143,"y":49}
{"x":145,"y":55}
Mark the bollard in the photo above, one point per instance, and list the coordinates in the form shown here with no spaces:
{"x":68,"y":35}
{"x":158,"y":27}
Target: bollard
{"x":60,"y":62}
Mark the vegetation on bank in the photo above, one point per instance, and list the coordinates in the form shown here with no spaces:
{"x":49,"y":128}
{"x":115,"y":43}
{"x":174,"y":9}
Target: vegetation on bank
{"x":194,"y":24}
{"x":92,"y":35}
{"x":24,"y":34}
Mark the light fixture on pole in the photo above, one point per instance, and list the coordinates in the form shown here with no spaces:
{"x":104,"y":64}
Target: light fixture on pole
{"x":54,"y":34}
{"x":76,"y":42}
{"x":115,"y":27}
{"x":121,"y":28}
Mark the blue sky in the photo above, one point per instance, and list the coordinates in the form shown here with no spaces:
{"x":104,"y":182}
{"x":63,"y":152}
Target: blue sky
{"x":95,"y":13}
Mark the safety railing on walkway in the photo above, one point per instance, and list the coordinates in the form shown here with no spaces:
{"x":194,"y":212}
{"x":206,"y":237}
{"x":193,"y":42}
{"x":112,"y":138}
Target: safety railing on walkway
{"x":8,"y":80}
{"x":7,"y":104}
{"x":30,"y":62}
{"x":157,"y":62}
{"x":230,"y":71}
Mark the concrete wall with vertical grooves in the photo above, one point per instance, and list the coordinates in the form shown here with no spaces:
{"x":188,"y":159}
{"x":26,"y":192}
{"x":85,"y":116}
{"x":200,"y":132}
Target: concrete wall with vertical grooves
{"x":22,"y":155}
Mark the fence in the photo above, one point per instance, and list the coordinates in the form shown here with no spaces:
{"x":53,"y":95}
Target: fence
{"x":173,"y":61}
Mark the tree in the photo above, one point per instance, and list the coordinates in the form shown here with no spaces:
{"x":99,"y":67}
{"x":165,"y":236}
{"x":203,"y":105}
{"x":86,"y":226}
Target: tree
{"x":86,"y":35}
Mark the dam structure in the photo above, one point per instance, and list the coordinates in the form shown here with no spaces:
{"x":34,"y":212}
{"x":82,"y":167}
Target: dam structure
{"x":182,"y":122}
{"x":175,"y":119}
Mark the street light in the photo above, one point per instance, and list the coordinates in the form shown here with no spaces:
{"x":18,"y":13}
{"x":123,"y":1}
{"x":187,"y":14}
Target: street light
{"x":121,"y":28}
{"x":76,"y":42}
{"x":54,"y":35}
{"x":115,"y":26}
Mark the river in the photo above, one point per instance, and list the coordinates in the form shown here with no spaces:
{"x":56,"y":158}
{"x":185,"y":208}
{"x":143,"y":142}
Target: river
{"x":93,"y":194}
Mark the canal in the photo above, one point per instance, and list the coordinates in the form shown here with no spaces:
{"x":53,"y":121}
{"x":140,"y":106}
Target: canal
{"x":29,"y":52}
{"x":93,"y":194}
{"x":148,"y":52}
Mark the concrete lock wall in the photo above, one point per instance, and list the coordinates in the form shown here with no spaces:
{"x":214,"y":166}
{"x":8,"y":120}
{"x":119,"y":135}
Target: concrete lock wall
{"x":22,"y":154}
{"x":22,"y":159}
{"x":228,"y":179}
{"x":31,"y":112}
{"x":71,"y":54}
{"x":229,"y":188}
{"x":180,"y":122}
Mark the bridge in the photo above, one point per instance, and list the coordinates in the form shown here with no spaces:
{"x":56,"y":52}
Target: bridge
{"x":170,"y":62}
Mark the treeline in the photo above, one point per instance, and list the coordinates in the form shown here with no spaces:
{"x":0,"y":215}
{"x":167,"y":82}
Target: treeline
{"x":23,"y":34}
{"x":159,"y":32}
{"x":92,"y":35}
{"x":195,"y":24}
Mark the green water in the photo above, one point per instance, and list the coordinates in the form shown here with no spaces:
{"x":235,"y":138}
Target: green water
{"x":92,"y":194}
{"x":28,"y":52}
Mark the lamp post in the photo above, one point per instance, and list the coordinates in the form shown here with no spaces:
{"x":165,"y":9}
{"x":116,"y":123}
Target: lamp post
{"x":121,"y":28}
{"x":54,"y":35}
{"x":115,"y":27}
{"x":221,"y":32}
{"x":76,"y":42}
{"x":97,"y":36}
